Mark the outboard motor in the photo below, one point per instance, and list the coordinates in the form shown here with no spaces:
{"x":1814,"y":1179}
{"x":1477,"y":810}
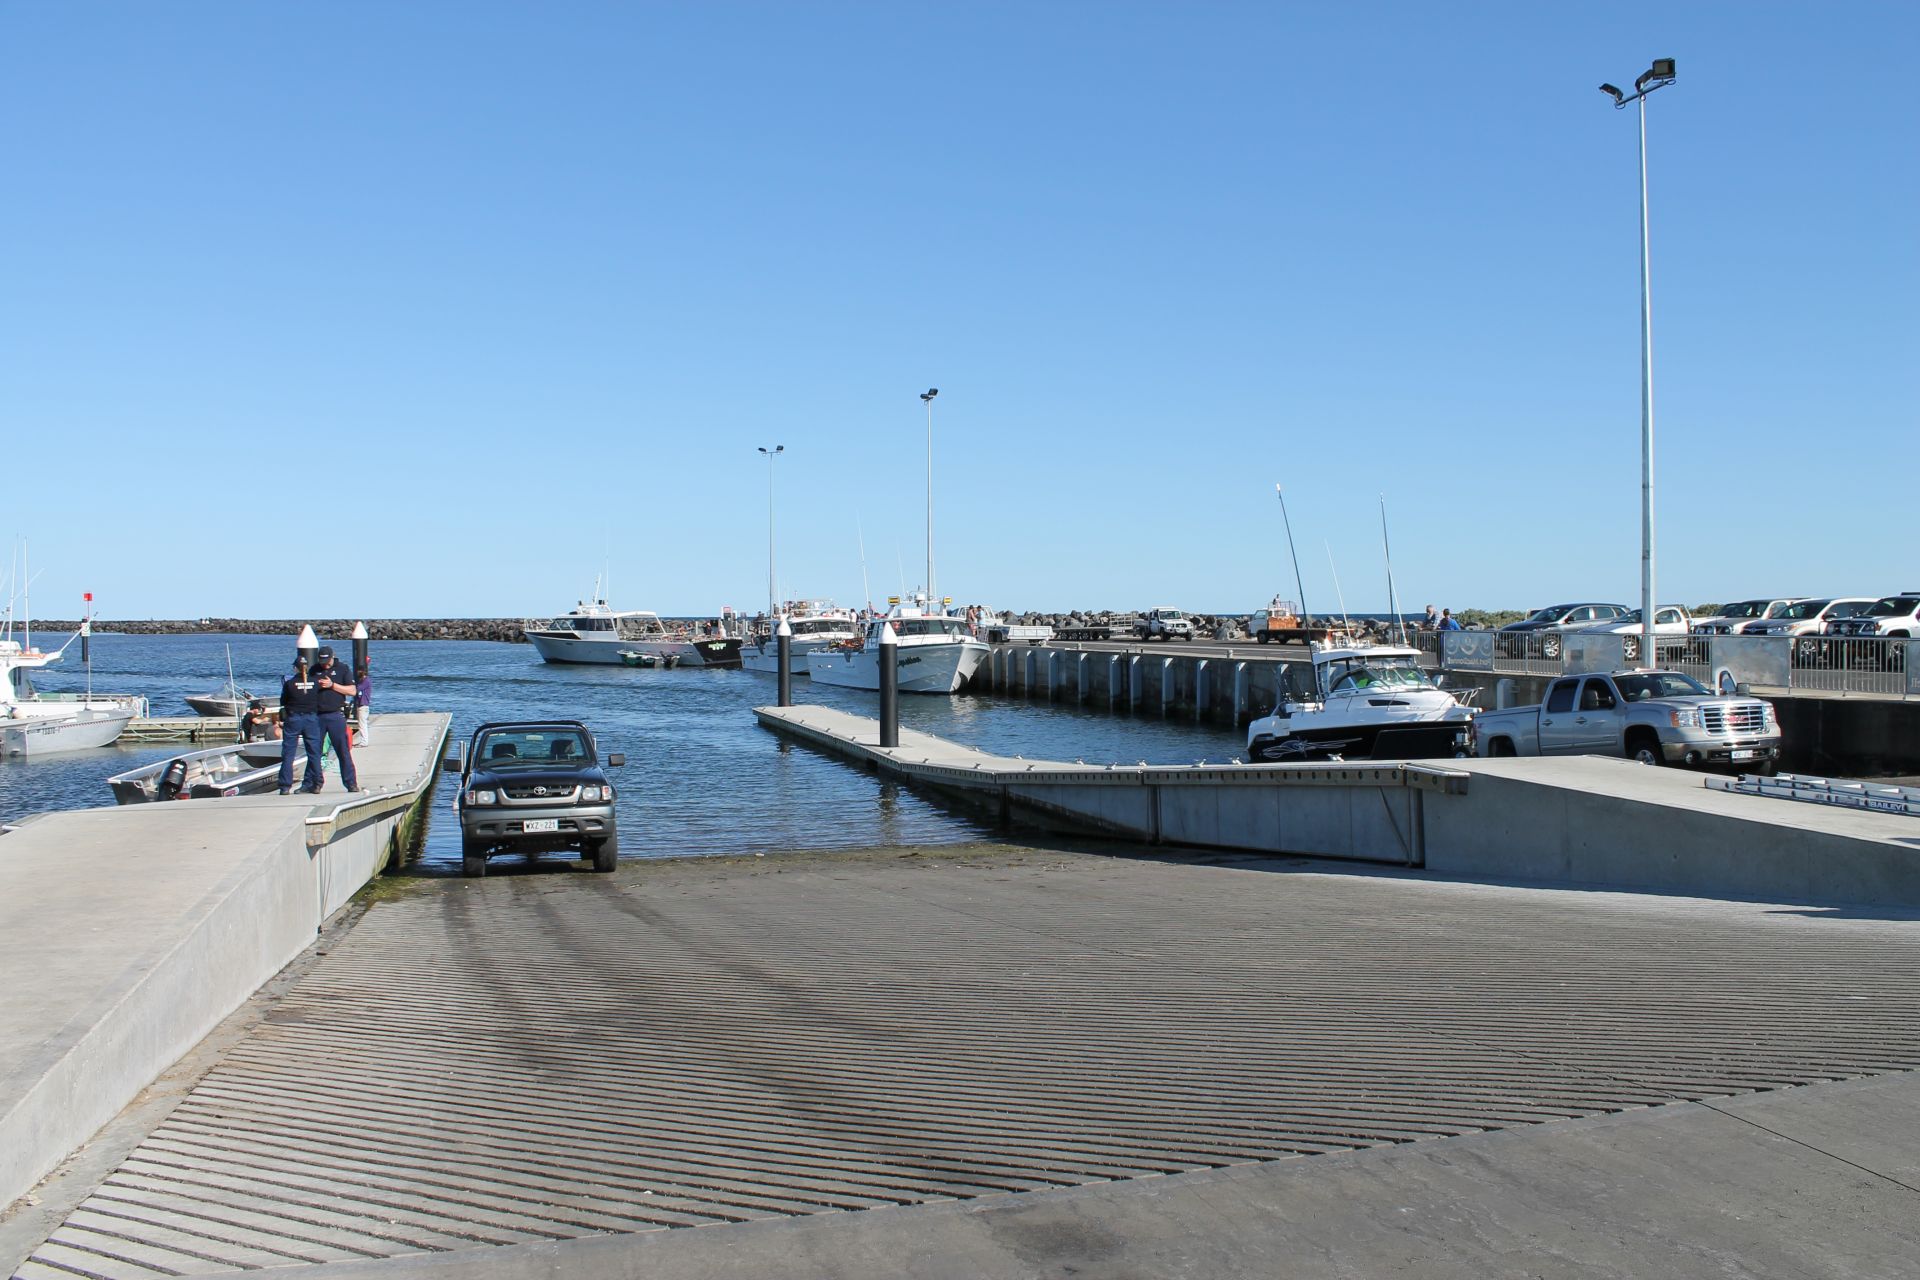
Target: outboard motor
{"x":172,"y":779}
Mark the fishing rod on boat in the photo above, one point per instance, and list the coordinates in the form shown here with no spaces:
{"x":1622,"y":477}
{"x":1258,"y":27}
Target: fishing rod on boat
{"x":1393,"y":601}
{"x":86,"y":635}
{"x":1299,"y":584}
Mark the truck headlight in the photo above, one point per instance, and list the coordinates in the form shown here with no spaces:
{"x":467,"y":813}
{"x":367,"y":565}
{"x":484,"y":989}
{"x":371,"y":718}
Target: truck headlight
{"x":478,"y":798}
{"x":590,"y":795}
{"x":1686,"y":718}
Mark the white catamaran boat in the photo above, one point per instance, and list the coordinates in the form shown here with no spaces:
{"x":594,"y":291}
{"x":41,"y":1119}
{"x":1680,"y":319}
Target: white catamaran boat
{"x":34,"y":724}
{"x":593,"y":632}
{"x":937,"y":655}
{"x":816,"y":625}
{"x":1368,"y":702}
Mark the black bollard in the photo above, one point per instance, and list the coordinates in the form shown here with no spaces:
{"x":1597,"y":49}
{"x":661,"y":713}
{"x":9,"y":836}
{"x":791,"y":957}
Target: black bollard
{"x":783,"y":648}
{"x":889,"y":686}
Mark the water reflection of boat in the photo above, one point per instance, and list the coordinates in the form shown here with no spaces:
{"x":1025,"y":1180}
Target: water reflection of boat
{"x":242,"y":769}
{"x":34,"y":724}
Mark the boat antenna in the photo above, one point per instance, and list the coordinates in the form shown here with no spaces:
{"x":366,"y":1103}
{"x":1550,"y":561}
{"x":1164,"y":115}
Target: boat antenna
{"x":86,"y":650}
{"x":866,"y":591}
{"x":926,"y":398}
{"x":1299,"y":584}
{"x":26,"y":595}
{"x":1393,"y":601}
{"x":900,"y":563}
{"x":233,"y":690}
{"x":1337,"y":593}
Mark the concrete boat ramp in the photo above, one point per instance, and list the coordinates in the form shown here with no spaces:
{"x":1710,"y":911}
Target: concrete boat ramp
{"x":1024,"y":1059}
{"x":127,"y":933}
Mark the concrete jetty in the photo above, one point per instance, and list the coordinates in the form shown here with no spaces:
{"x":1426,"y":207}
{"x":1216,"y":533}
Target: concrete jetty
{"x":126,"y":933}
{"x":1018,"y":1061}
{"x":1571,"y":820}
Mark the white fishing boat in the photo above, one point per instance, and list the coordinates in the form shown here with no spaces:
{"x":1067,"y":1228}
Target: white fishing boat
{"x":816,"y":624}
{"x":1368,"y":702}
{"x":937,"y":654}
{"x":594,"y":632}
{"x":33,"y":724}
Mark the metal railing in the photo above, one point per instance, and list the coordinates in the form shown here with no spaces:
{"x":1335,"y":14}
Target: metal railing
{"x":1874,"y":666}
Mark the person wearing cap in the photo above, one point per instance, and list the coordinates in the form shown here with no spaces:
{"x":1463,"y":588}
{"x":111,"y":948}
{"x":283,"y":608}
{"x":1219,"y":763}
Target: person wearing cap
{"x":257,"y":725}
{"x":334,"y":691}
{"x":300,"y":727}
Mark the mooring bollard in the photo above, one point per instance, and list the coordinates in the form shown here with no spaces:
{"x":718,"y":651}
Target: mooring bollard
{"x":783,"y":651}
{"x":889,"y":686}
{"x":363,"y":695}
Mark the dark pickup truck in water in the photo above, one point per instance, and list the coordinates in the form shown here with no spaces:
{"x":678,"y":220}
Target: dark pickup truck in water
{"x":534,"y":787}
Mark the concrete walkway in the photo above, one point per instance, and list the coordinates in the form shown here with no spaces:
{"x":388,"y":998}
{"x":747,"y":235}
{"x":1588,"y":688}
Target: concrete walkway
{"x":1564,"y":820}
{"x":1018,"y":1061}
{"x":127,"y":932}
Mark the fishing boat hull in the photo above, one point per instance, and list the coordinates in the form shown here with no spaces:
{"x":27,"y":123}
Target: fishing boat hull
{"x":222,"y":707}
{"x":580,"y":651}
{"x":765,"y":658}
{"x":239,"y":769}
{"x":923,"y":668}
{"x":85,"y":729}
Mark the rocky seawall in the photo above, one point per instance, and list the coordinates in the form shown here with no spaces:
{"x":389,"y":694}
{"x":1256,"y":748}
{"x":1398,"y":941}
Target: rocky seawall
{"x":333,"y":629}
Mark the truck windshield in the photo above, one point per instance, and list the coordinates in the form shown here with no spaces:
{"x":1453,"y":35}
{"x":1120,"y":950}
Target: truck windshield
{"x":1805,"y":609}
{"x":1658,"y":684}
{"x":1892,"y":605}
{"x":1549,"y":614}
{"x":531,"y":749}
{"x":1746,"y":609}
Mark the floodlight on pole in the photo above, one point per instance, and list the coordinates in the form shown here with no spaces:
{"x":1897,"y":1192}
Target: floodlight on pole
{"x":1657,"y":76}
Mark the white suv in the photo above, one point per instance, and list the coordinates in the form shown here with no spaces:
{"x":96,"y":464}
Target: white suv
{"x":1807,"y":617}
{"x":1891,"y":616}
{"x":1165,"y":624}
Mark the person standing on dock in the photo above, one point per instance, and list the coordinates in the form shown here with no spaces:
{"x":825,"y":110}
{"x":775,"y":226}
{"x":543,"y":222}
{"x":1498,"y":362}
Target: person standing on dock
{"x":1448,"y":622}
{"x":300,"y":727}
{"x":334,"y":692}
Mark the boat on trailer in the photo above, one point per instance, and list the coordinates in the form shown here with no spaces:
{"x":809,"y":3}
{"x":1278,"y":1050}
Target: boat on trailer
{"x":1367,"y":702}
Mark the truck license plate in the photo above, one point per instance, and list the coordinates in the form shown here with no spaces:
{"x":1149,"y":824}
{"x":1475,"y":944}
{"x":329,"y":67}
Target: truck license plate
{"x":553,"y":824}
{"x":1744,"y":754}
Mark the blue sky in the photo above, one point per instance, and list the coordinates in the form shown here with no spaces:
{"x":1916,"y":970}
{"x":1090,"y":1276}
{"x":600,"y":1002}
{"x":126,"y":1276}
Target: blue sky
{"x":434,"y":309}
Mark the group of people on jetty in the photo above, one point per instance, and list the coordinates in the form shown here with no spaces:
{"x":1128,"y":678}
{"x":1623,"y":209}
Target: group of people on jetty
{"x":314,"y":705}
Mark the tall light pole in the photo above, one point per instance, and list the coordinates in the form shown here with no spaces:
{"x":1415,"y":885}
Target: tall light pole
{"x":927,"y":400}
{"x":772,"y":453}
{"x":1658,"y":76}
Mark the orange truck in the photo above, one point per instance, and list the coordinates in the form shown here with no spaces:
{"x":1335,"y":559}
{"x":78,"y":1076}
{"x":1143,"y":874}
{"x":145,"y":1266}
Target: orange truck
{"x":1279,"y":622}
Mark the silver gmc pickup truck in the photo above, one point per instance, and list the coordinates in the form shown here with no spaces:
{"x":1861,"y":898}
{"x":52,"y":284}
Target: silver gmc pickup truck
{"x":1655,"y":717}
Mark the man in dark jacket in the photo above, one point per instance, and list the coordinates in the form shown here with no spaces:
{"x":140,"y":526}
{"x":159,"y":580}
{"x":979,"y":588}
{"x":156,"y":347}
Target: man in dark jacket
{"x":333,"y":694}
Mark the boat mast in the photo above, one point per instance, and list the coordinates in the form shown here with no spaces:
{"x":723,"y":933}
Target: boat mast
{"x":1393,"y":601}
{"x":772,"y":453}
{"x":1337,"y":593}
{"x":1299,"y":584}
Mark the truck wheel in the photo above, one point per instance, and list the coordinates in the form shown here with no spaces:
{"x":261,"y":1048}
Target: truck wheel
{"x":1255,"y":748}
{"x":1263,"y":637}
{"x":606,"y":854}
{"x":473,"y":864}
{"x":1767,"y":768}
{"x":1500,"y":747}
{"x":1644,"y":748}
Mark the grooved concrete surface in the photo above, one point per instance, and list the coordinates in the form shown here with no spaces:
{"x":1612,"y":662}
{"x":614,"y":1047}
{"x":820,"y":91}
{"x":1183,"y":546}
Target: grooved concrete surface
{"x":524,"y":1060}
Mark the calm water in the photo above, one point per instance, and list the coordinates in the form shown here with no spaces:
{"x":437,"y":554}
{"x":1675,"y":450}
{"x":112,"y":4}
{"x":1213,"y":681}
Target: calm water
{"x":701,"y":777}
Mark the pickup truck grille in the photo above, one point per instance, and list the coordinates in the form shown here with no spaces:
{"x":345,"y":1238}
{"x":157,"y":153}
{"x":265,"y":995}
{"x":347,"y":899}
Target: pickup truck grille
{"x":1738,"y":720}
{"x":545,"y":791}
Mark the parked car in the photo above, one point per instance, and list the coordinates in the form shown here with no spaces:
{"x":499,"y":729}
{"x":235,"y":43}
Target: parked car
{"x":1165,"y":624}
{"x":1655,"y":717}
{"x":1806,"y":617}
{"x":1734,"y":616}
{"x":1889,"y":616}
{"x":1668,"y":620}
{"x":534,"y":786}
{"x":1567,"y":617}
